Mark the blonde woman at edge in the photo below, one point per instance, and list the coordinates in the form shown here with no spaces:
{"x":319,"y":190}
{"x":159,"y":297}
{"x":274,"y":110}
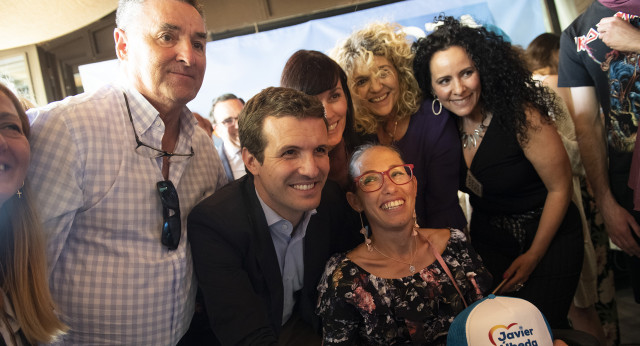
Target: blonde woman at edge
{"x":27,"y":310}
{"x":390,"y":109}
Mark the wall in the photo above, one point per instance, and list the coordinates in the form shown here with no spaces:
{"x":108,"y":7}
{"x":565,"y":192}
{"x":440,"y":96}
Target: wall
{"x":234,"y":15}
{"x":568,"y":10}
{"x":33,"y":61}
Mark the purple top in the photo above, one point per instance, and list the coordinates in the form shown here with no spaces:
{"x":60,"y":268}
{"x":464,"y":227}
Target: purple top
{"x":432,"y":145}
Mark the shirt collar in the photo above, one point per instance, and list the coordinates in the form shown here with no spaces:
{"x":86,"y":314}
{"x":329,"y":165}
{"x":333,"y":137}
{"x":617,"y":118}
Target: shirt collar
{"x":230,"y":147}
{"x":273,"y":217}
{"x":142,"y":112}
{"x":145,"y":116}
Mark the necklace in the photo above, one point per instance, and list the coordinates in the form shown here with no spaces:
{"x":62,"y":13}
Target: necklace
{"x":471,"y":139}
{"x":412,"y":268}
{"x":392,"y":135}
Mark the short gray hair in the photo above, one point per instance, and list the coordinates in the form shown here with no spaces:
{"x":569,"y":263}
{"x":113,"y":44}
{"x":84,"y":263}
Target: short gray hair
{"x":355,"y":157}
{"x":126,"y":7}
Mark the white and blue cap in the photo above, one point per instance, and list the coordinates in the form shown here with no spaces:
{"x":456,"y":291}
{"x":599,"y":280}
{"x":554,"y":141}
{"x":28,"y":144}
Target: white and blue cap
{"x":500,"y":321}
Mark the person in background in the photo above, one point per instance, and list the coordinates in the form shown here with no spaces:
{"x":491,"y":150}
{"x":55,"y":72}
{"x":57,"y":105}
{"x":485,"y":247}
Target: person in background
{"x":316,"y":74}
{"x":260,"y":243}
{"x":225,"y":111}
{"x":403,"y":284}
{"x":204,"y":124}
{"x":541,"y":56}
{"x":26,"y":306}
{"x":116,"y":172}
{"x":515,"y":167}
{"x":598,"y":71}
{"x":389,"y":109}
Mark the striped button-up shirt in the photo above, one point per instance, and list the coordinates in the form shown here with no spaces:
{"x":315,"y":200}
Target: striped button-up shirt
{"x":112,"y":279}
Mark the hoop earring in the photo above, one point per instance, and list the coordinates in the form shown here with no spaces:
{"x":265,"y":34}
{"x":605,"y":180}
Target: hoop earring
{"x":364,"y":232}
{"x":19,"y":193}
{"x":433,"y":106}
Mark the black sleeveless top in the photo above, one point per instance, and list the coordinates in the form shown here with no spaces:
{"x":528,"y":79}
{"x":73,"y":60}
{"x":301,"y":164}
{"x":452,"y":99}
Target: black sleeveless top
{"x":510,"y":183}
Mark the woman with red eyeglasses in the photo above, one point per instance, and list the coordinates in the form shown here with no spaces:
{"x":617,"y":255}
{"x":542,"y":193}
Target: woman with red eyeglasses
{"x":403,"y":284}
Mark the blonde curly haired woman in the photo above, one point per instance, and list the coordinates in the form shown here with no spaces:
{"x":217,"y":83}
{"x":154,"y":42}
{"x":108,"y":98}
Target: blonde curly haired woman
{"x":390,"y":109}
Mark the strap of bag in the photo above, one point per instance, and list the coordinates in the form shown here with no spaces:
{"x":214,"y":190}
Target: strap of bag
{"x":446,"y":269}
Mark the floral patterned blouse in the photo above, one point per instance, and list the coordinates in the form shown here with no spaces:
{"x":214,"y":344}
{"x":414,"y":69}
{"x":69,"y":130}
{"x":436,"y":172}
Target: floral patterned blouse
{"x":359,"y":308}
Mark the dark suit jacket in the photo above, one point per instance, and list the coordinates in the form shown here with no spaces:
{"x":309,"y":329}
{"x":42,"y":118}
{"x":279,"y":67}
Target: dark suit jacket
{"x":224,"y":159}
{"x":237,"y":267}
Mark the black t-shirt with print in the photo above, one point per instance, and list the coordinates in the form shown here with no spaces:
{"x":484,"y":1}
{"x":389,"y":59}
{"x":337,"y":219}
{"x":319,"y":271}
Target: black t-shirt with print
{"x":586,"y":61}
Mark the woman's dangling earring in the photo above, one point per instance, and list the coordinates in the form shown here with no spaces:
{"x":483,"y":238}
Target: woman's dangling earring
{"x":415,"y":224}
{"x":19,"y":193}
{"x":364,"y":232}
{"x":433,"y":106}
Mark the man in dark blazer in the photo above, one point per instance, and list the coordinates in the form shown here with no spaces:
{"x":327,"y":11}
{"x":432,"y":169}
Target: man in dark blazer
{"x":260,"y":244}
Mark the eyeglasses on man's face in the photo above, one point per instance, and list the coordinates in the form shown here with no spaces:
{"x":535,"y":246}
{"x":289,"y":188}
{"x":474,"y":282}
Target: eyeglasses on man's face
{"x":146,"y":150}
{"x":230,"y":121}
{"x":171,"y":226}
{"x":373,"y":181}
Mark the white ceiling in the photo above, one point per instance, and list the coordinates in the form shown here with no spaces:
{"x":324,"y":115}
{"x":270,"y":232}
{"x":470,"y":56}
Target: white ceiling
{"x":25,"y":22}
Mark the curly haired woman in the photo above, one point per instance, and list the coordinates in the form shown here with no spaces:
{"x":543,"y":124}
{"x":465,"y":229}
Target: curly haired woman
{"x":515,"y":168}
{"x":389,"y":109}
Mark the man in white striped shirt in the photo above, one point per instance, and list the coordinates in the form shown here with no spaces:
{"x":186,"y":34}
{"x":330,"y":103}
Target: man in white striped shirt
{"x":116,"y":173}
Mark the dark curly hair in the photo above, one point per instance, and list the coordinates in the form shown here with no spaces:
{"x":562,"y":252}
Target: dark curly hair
{"x":507,"y":87}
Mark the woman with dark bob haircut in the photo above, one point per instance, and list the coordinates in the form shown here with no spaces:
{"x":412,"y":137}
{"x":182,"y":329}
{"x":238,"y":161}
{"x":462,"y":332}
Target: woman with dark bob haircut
{"x":514,"y":166}
{"x":318,"y":75}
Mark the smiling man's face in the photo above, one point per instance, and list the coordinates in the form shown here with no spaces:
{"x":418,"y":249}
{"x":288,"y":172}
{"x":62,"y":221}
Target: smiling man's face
{"x":164,"y":52}
{"x":295,"y":165}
